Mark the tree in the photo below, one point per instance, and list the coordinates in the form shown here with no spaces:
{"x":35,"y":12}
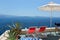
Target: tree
{"x":14,"y":31}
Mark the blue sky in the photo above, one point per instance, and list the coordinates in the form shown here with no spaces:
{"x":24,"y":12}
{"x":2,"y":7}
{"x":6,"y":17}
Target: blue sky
{"x":25,"y":8}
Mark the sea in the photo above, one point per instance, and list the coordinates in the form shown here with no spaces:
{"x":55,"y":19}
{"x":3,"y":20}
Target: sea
{"x":26,"y":21}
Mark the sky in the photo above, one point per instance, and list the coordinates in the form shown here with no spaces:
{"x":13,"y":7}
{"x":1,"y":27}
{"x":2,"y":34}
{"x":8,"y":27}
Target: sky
{"x":25,"y":8}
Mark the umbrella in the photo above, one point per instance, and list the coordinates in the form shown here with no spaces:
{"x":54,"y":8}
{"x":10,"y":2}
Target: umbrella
{"x":50,"y":7}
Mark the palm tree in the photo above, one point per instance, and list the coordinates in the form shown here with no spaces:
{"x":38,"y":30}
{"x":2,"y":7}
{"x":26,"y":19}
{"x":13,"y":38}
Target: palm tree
{"x":14,"y":31}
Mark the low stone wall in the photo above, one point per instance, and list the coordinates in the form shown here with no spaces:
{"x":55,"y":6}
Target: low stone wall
{"x":4,"y":35}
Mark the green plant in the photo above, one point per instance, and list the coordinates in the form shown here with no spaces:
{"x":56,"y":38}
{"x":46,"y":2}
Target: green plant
{"x":11,"y":36}
{"x":14,"y":31}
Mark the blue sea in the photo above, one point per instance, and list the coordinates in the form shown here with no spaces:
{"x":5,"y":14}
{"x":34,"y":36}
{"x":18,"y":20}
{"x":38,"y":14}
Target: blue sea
{"x":26,"y":21}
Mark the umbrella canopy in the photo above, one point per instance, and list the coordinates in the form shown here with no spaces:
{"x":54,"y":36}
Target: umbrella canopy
{"x":50,"y":7}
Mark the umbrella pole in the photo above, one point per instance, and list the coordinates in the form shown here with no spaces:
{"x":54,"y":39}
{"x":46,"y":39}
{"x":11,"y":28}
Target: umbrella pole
{"x":51,"y":18}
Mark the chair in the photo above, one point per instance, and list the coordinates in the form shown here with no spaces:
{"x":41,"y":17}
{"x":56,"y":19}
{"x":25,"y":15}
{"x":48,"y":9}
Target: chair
{"x":42,"y":29}
{"x":31,"y":30}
